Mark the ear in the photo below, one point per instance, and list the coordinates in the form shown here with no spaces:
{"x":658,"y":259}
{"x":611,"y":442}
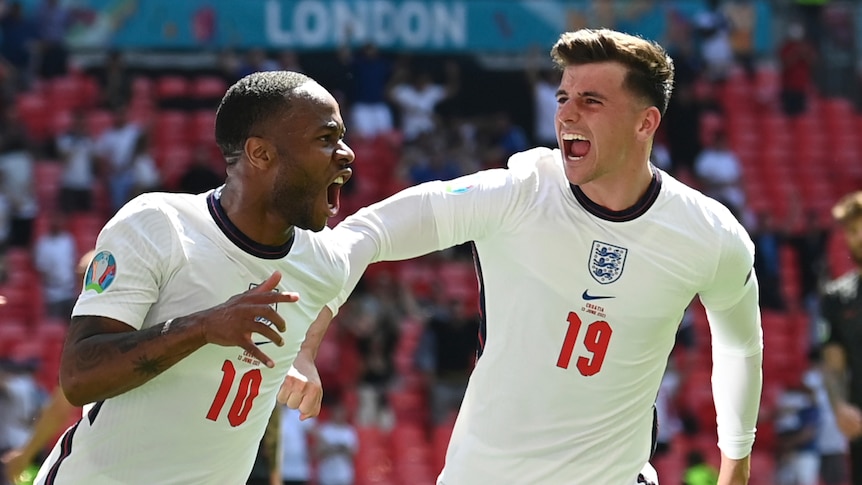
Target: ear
{"x":650,"y":119}
{"x":259,"y":152}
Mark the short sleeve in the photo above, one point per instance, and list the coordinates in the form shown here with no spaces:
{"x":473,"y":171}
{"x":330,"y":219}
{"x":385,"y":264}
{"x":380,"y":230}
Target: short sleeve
{"x":133,"y":254}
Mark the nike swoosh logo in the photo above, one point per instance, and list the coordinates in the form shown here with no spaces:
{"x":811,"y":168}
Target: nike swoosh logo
{"x":588,"y":297}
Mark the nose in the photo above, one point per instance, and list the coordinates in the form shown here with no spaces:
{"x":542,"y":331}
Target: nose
{"x":344,"y":153}
{"x":567,"y":112}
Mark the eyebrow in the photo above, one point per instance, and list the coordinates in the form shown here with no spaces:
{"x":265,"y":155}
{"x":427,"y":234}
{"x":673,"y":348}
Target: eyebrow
{"x":584,"y":94}
{"x":333,"y":126}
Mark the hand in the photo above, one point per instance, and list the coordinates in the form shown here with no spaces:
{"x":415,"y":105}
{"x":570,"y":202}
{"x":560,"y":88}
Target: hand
{"x":15,"y":462}
{"x":849,"y":419}
{"x":234,"y":321}
{"x":302,"y":388}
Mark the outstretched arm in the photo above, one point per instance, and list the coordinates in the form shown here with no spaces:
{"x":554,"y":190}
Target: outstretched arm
{"x":302,"y":389}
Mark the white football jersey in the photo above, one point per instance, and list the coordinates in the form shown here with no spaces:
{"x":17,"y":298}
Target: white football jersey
{"x":199,"y":422}
{"x":580,"y":309}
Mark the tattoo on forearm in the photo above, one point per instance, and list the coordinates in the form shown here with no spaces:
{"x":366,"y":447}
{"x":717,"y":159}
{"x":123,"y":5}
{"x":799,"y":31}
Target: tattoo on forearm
{"x":135,"y":339}
{"x":150,"y":367}
{"x":90,"y":357}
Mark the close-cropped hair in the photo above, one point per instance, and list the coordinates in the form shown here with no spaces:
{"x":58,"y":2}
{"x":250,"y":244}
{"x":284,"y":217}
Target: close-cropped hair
{"x":650,"y":68}
{"x":849,"y":208}
{"x":252,"y":100}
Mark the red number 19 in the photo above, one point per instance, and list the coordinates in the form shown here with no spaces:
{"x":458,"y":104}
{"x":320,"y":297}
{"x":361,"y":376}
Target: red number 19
{"x":596,"y":340}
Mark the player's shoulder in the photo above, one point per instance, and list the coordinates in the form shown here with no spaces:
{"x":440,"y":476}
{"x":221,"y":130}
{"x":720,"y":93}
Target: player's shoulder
{"x":153,"y":208}
{"x":693,"y":204}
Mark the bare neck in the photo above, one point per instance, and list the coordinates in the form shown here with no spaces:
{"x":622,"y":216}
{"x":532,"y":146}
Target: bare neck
{"x":250,"y":212}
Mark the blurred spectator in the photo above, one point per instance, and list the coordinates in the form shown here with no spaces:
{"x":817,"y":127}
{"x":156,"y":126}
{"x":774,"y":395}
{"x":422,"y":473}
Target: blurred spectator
{"x":681,"y":125}
{"x":796,"y":424}
{"x":842,"y":353}
{"x":295,"y":439}
{"x":115,"y":81}
{"x":797,"y":58}
{"x":146,"y":174}
{"x":200,"y":175}
{"x":16,"y":161}
{"x":267,"y":465}
{"x":544,"y":83}
{"x":53,"y":20}
{"x":831,"y":443}
{"x":376,"y":329}
{"x":5,"y":219}
{"x":809,"y":237}
{"x":256,"y":60}
{"x":669,"y":421}
{"x":505,"y":137}
{"x":715,"y":48}
{"x":446,"y":354}
{"x":810,"y":12}
{"x":698,"y":471}
{"x":742,"y":17}
{"x":416,"y":96}
{"x":370,"y":73}
{"x":430,"y":159}
{"x":719,"y":172}
{"x":228,"y":66}
{"x":20,"y":401}
{"x":16,"y":49}
{"x":288,"y":61}
{"x":768,"y":239}
{"x":116,"y":149}
{"x":77,"y":151}
{"x":55,"y":257}
{"x":337,"y":444}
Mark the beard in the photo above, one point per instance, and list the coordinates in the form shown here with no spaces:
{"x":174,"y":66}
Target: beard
{"x":295,"y":203}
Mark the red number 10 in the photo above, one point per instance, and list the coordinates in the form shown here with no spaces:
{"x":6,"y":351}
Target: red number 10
{"x":596,"y":340}
{"x":249,"y":387}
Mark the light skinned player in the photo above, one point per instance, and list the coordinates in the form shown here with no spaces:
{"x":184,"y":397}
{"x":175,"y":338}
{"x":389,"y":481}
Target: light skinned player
{"x":587,"y":256}
{"x":194,"y":307}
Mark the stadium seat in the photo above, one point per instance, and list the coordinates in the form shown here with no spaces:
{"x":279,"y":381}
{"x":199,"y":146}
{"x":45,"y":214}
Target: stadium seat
{"x":171,"y":126}
{"x":202,"y":127}
{"x":171,"y":87}
{"x":12,"y":332}
{"x":35,"y":113}
{"x":98,"y":121}
{"x":208,"y":87}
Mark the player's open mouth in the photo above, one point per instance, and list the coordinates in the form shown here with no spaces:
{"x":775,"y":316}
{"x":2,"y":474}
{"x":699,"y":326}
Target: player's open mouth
{"x":575,"y":146}
{"x":333,"y":192}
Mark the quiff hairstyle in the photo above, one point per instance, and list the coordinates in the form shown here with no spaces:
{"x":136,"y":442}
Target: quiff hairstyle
{"x":254,"y":99}
{"x":848,"y":209}
{"x":650,"y":68}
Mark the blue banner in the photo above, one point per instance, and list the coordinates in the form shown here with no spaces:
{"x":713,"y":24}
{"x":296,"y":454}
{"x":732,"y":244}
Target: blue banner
{"x":416,"y":25}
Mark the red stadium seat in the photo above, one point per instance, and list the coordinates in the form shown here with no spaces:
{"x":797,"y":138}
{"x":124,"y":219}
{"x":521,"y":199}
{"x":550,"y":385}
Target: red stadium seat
{"x":98,"y":121}
{"x":171,"y":87}
{"x":35,"y":113}
{"x":208,"y":87}
{"x":171,"y":127}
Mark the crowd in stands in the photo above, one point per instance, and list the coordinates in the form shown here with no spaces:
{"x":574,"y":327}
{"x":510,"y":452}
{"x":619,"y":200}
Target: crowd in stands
{"x":76,"y":143}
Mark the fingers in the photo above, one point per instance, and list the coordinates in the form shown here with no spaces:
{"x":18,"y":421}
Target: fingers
{"x":268,"y":284}
{"x":269,"y":332}
{"x":310,"y":406}
{"x":252,"y":349}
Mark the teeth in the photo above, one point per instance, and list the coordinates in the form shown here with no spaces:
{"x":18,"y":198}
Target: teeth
{"x":339,"y":180}
{"x":572,"y":136}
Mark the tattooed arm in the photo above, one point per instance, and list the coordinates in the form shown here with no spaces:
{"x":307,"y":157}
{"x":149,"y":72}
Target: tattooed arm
{"x":104,"y":357}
